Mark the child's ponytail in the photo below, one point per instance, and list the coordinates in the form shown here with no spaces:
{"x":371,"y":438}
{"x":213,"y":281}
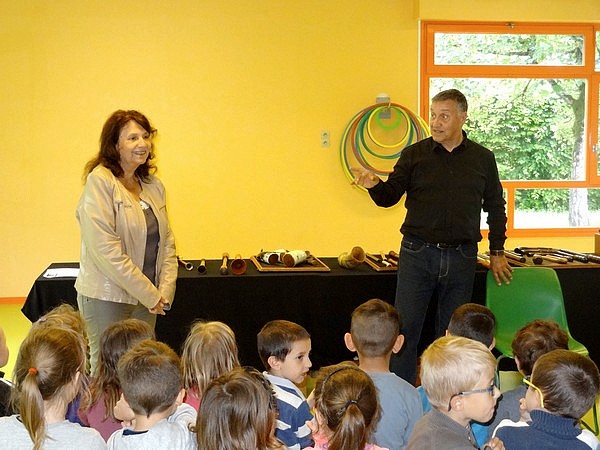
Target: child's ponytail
{"x":31,"y":406}
{"x":46,"y":371}
{"x":346,"y":400}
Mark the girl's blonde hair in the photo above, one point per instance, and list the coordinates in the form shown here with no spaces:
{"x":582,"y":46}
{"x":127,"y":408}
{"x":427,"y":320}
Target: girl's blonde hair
{"x":49,"y":360}
{"x":66,"y":316}
{"x":209,"y":351}
{"x":114,"y":342}
{"x":238,"y":411}
{"x":346,"y":399}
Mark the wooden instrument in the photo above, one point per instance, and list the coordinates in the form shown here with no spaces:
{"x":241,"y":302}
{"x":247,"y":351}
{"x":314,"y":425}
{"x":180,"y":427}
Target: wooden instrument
{"x":224,"y":270}
{"x":238,"y":265}
{"x":185,"y":264}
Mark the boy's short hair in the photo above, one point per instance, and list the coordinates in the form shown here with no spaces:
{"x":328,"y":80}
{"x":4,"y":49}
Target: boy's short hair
{"x":150,"y":377}
{"x":569,"y":381}
{"x":535,"y":339}
{"x":473,"y":321}
{"x":453,"y":364}
{"x":276,"y":338}
{"x":374,"y":328}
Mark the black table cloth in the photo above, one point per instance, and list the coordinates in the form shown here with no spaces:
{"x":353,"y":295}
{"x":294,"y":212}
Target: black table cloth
{"x":322,"y":302}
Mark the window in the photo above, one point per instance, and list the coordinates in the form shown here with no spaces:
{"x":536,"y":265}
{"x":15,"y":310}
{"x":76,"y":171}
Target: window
{"x":533,"y":100}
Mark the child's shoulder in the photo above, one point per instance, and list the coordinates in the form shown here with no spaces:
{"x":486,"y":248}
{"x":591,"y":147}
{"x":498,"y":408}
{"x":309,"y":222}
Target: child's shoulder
{"x":165,"y":434}
{"x":390,"y":383}
{"x":75,"y":435}
{"x":285,"y":390}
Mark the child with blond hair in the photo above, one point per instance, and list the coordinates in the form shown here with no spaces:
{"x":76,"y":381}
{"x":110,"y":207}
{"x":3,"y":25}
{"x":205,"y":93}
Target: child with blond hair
{"x":47,"y":377}
{"x":209,"y":351}
{"x":458,"y":376}
{"x":477,"y":322}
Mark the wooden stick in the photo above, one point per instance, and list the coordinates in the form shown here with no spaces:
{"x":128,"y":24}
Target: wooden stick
{"x":223,"y":270}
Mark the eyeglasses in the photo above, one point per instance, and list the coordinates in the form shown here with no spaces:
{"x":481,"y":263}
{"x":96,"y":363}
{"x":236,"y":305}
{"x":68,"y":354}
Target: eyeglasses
{"x":530,"y":384}
{"x":489,"y":390}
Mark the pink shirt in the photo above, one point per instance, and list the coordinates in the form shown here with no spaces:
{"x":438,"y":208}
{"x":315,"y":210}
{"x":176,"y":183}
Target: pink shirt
{"x":322,"y":444}
{"x":96,"y":417}
{"x":191,"y":398}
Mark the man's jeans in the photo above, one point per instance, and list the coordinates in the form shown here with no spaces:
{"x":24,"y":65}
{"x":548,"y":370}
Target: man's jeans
{"x":426,"y":272}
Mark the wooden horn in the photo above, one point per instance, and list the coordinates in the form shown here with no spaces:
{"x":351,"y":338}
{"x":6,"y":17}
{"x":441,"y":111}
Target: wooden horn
{"x":238,"y":265}
{"x":185,"y":264}
{"x":223,"y":270}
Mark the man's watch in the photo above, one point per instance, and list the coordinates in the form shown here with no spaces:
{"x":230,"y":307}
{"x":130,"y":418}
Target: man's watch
{"x":496,"y":252}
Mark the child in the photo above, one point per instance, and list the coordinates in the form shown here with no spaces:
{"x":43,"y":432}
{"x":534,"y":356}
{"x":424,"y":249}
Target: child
{"x":532,"y":341}
{"x":105,"y":389}
{"x":457,"y":375}
{"x":562,"y":388}
{"x":375,"y":335}
{"x":284,"y":349}
{"x":64,"y":315}
{"x":47,"y":377}
{"x":152,"y":387}
{"x":238,"y":411}
{"x":209,"y":351}
{"x":477,"y":322}
{"x":346,"y":409}
{"x":474,"y":321}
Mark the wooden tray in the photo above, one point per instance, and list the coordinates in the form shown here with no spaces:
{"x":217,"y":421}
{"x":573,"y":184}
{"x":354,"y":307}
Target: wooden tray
{"x":380,"y":267}
{"x":304,"y":267}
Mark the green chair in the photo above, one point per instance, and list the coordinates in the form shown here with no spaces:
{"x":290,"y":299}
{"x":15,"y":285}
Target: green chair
{"x":533,"y":293}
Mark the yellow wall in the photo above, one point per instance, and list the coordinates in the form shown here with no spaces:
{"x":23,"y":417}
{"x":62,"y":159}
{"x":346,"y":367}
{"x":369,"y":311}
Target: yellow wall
{"x":239,"y":90}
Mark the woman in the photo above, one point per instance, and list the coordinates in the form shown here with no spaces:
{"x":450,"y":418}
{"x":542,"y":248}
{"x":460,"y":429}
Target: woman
{"x":128,"y":266}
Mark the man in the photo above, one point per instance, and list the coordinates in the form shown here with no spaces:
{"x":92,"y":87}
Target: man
{"x":448,"y":179}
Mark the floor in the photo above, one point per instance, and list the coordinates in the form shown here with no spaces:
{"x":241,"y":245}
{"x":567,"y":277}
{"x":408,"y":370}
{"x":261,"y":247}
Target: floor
{"x":16,"y":325}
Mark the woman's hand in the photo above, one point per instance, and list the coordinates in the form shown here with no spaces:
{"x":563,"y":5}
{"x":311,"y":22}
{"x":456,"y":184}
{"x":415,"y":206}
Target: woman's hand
{"x":160,"y":307}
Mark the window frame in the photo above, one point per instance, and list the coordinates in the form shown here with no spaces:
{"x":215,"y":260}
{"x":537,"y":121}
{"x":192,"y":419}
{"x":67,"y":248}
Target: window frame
{"x":428,"y":70}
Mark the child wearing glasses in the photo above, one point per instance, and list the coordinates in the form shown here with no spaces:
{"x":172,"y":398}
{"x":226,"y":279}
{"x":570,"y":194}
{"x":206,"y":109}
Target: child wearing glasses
{"x":458,"y":376}
{"x":562,"y":388}
{"x":477,"y":322}
{"x":532,"y":341}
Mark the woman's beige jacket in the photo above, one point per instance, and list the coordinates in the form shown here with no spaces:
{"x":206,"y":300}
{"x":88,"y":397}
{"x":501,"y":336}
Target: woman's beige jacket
{"x":113,"y":241}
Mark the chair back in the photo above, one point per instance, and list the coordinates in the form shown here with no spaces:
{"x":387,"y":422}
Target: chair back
{"x":533,"y":293}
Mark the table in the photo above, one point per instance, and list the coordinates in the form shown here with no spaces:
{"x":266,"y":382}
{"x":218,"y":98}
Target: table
{"x":322,"y":302}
